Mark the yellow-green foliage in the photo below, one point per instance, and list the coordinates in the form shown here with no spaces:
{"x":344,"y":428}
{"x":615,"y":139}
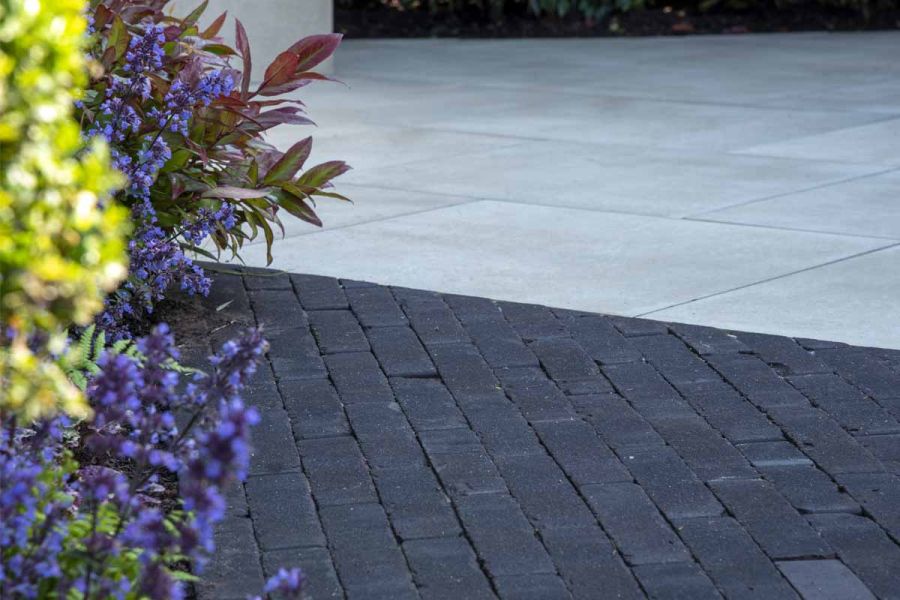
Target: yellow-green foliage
{"x":61,"y":249}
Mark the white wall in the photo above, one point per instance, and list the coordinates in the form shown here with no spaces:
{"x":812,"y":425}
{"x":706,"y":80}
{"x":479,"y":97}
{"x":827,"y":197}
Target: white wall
{"x":273,"y":25}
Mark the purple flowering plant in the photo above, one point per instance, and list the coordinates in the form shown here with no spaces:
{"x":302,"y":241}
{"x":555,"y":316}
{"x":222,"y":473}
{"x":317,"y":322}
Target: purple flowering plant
{"x":99,"y":525}
{"x":187,"y":128}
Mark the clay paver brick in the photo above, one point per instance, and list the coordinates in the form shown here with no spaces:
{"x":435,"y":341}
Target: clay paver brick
{"x":864,"y":547}
{"x":824,"y":579}
{"x":319,"y":293}
{"x":446,"y":568}
{"x":400,"y":352}
{"x":635,"y":524}
{"x":376,"y":307}
{"x":733,"y":560}
{"x":775,"y":525}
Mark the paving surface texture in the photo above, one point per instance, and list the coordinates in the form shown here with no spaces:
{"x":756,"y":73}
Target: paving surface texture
{"x":745,"y":182}
{"x":419,"y":445}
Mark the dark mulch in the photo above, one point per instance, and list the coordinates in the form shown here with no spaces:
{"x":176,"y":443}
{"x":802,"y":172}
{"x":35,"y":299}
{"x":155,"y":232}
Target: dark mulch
{"x":416,"y":444}
{"x":382,"y":22}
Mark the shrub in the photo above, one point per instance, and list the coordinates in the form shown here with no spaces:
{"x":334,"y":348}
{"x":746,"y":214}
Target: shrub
{"x":61,"y":245}
{"x":187,"y":129}
{"x":591,"y":9}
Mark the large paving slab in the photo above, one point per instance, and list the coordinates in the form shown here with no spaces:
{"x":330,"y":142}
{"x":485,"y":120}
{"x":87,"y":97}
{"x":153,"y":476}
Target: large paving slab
{"x":602,"y":178}
{"x":871,"y":144}
{"x":451,"y":446}
{"x":871,"y":318}
{"x":766,"y":138}
{"x":562,"y":256}
{"x":876,"y":212}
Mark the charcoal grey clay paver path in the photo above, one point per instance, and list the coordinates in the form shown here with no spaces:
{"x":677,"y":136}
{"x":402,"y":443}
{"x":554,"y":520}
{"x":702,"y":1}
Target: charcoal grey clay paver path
{"x":419,"y":445}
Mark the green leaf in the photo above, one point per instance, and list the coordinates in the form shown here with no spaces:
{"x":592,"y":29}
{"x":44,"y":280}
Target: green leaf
{"x":219,"y":49}
{"x":297,"y":207}
{"x":192,"y":18}
{"x":321,"y":174}
{"x":183,"y":576}
{"x":118,"y":37}
{"x":334,"y":195}
{"x":179,"y":159}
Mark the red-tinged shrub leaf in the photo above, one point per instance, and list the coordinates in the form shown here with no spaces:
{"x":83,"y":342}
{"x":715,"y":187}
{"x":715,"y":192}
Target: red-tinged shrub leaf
{"x":102,"y":16}
{"x":288,"y":115}
{"x":297,"y":207}
{"x":288,"y":165}
{"x":172,"y":33}
{"x":321,"y":174}
{"x":243,"y":46}
{"x":108,"y":58}
{"x":296,"y":120}
{"x":281,"y":70}
{"x":284,"y":88}
{"x":309,"y":76}
{"x":276,"y":102}
{"x":231,"y":102}
{"x":214,"y":27}
{"x":298,"y":81}
{"x":314,"y":49}
{"x":234,"y":193}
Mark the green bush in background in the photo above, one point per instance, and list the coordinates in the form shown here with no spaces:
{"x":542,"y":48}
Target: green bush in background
{"x":61,"y":247}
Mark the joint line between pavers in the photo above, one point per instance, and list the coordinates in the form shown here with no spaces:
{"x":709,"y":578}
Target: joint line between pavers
{"x":769,"y":279}
{"x":696,"y":216}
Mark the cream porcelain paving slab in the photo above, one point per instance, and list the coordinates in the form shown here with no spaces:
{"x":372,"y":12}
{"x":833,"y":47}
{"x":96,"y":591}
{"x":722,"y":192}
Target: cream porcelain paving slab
{"x":868,"y":206}
{"x":611,"y":178}
{"x":875,"y":143}
{"x":853,"y":301}
{"x":366,"y":147}
{"x":616,"y":263}
{"x":622,"y":120}
{"x":368,"y":204}
{"x":740,"y":70}
{"x":876,"y":96}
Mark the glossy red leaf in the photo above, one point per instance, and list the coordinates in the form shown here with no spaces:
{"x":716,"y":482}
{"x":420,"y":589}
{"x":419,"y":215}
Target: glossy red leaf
{"x":243,"y":46}
{"x":281,"y":70}
{"x":280,"y":116}
{"x":314,"y":49}
{"x":214,"y":27}
{"x":288,"y":165}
